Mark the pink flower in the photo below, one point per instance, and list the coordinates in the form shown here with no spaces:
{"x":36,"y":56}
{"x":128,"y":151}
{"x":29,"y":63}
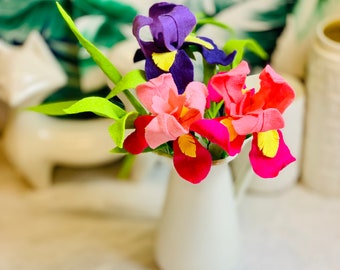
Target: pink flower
{"x":258,"y":113}
{"x":172,"y":115}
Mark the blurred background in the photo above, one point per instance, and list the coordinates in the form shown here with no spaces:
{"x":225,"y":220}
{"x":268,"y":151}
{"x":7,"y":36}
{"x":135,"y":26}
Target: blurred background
{"x":62,"y":203}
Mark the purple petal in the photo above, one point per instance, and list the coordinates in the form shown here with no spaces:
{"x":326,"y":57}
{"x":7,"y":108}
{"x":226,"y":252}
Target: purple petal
{"x":151,"y":70}
{"x":138,"y":23}
{"x":182,"y":63}
{"x":171,"y":24}
{"x":216,"y":56}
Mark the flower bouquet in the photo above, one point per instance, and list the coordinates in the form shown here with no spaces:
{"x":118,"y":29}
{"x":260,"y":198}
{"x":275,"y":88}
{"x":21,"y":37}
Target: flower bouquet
{"x":195,"y":122}
{"x":191,"y":103}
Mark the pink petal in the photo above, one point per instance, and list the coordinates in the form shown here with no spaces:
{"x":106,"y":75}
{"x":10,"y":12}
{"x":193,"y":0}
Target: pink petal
{"x":261,"y":120}
{"x":192,"y":169}
{"x":191,"y":116}
{"x":230,"y":84}
{"x":274,"y":90}
{"x":267,"y":167}
{"x":157,"y":87}
{"x":163,"y":128}
{"x":196,"y":93}
{"x":213,"y":96}
{"x":217,"y":133}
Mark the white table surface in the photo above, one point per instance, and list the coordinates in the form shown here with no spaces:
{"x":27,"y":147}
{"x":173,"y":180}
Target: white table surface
{"x":88,"y":220}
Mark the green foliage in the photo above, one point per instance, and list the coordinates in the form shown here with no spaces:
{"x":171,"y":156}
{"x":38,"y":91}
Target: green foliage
{"x":212,"y":21}
{"x":241,"y":46}
{"x":98,"y":105}
{"x":53,"y":109}
{"x":106,"y":66}
{"x":117,"y":129}
{"x":129,"y":81}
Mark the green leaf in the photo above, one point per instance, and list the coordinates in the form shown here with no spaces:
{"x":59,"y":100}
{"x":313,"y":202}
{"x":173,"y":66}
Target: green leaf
{"x":106,"y":66}
{"x":117,"y":129}
{"x":98,"y":105}
{"x":54,"y":109}
{"x":212,"y":21}
{"x":240,"y":46}
{"x":129,"y":81}
{"x":118,"y":150}
{"x":134,"y":101}
{"x":214,"y":109}
{"x":126,"y":166}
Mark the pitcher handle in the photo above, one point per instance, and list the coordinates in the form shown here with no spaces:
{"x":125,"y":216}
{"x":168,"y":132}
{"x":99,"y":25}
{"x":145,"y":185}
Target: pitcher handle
{"x":242,"y":183}
{"x":242,"y":172}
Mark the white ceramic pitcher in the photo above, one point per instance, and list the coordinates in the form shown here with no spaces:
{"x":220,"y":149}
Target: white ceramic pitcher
{"x":199,"y":225}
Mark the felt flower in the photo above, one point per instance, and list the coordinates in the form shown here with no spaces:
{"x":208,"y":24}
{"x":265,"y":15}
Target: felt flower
{"x":171,"y":26}
{"x":172,"y":115}
{"x":255,"y":112}
{"x":190,"y":121}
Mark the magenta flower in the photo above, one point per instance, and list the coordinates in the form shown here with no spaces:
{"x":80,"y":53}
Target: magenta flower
{"x":170,"y":26}
{"x":258,"y":113}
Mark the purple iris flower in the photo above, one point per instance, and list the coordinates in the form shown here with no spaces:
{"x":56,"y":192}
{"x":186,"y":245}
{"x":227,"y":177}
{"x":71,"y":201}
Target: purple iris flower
{"x":170,"y":26}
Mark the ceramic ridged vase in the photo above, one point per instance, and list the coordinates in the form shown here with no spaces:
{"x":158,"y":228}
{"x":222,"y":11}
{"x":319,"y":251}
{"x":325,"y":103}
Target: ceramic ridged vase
{"x":199,"y":228}
{"x":321,"y":160}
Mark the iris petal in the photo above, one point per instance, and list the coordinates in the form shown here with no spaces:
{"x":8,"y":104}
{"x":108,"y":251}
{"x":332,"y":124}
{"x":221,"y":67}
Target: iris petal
{"x":274,"y":90}
{"x":151,"y":70}
{"x":182,"y":71}
{"x":164,"y":60}
{"x":268,"y":142}
{"x":217,"y":133}
{"x":187,"y":145}
{"x":267,"y":167}
{"x":215,"y":55}
{"x":229,"y":85}
{"x":171,"y":24}
{"x":135,"y":143}
{"x":193,"y":169}
{"x":163,"y":128}
{"x":138,"y":23}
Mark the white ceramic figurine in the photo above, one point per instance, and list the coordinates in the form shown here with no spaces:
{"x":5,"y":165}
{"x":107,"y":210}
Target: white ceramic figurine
{"x":36,"y":143}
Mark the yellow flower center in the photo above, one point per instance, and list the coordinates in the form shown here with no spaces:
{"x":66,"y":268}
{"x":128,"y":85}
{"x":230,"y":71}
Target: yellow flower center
{"x":184,"y":111}
{"x":187,"y":145}
{"x":268,"y":142}
{"x":164,"y":60}
{"x":199,"y":41}
{"x":232,"y":133}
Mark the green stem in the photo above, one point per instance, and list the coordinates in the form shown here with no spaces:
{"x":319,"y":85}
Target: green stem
{"x":125,"y":169}
{"x":208,"y":71}
{"x":135,"y":103}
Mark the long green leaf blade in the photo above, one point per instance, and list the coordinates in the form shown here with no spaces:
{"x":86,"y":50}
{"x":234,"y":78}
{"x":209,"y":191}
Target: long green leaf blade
{"x":129,"y":81}
{"x":53,"y":109}
{"x":106,"y":66}
{"x":98,"y":105}
{"x":117,"y":129}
